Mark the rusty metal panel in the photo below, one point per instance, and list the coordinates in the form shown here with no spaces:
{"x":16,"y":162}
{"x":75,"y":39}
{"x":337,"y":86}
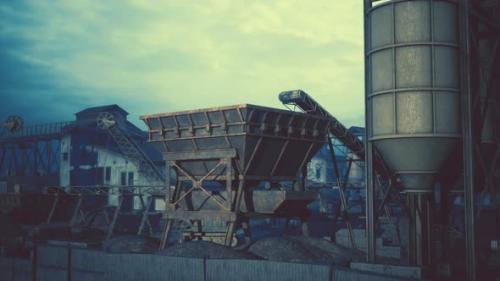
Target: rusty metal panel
{"x":243,"y":270}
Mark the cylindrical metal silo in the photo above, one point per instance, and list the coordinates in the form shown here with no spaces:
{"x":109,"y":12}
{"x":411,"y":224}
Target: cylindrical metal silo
{"x":413,"y":87}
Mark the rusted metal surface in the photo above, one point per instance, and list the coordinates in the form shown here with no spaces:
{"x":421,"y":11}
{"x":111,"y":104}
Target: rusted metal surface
{"x":258,"y":135}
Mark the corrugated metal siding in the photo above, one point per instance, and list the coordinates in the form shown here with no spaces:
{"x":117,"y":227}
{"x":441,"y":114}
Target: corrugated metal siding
{"x":6,"y":269}
{"x":250,"y":270}
{"x":15,"y":269}
{"x":88,"y":265}
{"x":52,"y":263}
{"x":150,"y":267}
{"x":353,"y":275}
{"x":51,"y":274}
{"x":52,"y":256}
{"x":22,"y":270}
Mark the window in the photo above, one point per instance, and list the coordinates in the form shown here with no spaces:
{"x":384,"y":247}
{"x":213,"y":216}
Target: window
{"x":123,"y":180}
{"x":107,"y":174}
{"x":131,"y":178}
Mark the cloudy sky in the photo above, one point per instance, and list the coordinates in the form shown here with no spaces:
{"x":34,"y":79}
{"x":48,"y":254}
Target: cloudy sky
{"x":57,"y":57}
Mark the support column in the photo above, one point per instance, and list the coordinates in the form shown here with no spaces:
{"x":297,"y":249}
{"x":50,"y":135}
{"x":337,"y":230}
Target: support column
{"x":419,"y":245}
{"x":468,"y":141}
{"x":369,"y":180}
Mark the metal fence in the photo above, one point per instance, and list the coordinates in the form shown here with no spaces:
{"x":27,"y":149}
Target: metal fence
{"x":55,"y":263}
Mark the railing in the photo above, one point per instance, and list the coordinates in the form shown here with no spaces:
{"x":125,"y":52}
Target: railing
{"x":129,"y":190}
{"x":38,"y":130}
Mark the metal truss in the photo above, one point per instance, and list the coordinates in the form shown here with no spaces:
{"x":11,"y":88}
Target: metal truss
{"x":479,"y":23}
{"x":31,"y":151}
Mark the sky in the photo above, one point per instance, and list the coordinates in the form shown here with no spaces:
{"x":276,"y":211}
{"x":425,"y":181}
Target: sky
{"x":59,"y":57}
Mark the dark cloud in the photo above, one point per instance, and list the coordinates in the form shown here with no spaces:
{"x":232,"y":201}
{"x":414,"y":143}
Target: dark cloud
{"x":57,"y":58}
{"x":34,"y":92}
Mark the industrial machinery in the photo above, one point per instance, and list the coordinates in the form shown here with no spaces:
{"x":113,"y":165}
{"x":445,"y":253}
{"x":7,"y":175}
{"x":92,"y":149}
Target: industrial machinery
{"x":301,"y":100}
{"x":307,"y":104}
{"x":413,"y":99}
{"x":220,"y":155}
{"x":43,"y":183}
{"x":431,"y":78}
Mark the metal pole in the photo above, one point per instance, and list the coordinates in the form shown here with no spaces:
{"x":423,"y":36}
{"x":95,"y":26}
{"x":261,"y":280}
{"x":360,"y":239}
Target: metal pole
{"x":341,"y":183}
{"x":468,"y":141}
{"x":370,"y":205}
{"x":370,"y":192}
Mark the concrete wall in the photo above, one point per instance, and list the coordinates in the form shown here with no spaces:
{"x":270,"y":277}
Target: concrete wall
{"x":55,"y":263}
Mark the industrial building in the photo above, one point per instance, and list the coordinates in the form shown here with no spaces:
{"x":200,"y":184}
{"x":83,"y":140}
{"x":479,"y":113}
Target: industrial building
{"x":247,"y":192}
{"x":74,"y":153}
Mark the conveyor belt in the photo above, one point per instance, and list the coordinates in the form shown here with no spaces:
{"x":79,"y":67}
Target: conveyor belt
{"x":307,"y":104}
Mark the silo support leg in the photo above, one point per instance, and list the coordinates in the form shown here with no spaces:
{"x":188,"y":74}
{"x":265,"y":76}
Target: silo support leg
{"x":419,"y":246}
{"x":305,"y":228}
{"x":166,"y":234}
{"x":76,"y":211}
{"x":145,"y":215}
{"x":168,"y":224}
{"x":232,"y":225}
{"x":53,"y":208}
{"x":115,"y":217}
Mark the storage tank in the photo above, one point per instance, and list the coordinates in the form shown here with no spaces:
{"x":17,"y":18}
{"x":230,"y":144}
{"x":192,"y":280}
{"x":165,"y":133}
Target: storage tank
{"x":413,"y":87}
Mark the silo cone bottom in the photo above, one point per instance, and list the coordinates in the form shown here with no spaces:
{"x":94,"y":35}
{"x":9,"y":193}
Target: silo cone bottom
{"x":416,"y":182}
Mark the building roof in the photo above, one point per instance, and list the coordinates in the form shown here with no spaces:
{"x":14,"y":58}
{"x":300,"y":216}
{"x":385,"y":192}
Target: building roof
{"x":94,"y":111}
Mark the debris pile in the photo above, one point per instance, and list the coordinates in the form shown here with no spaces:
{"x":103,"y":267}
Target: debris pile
{"x":303,"y":250}
{"x":205,"y":249}
{"x":130,"y":244}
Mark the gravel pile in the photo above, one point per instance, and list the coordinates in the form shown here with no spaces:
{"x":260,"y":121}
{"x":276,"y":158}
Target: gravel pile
{"x":205,"y":249}
{"x":303,"y":250}
{"x":339,"y":254}
{"x":284,"y":249}
{"x":130,"y":244}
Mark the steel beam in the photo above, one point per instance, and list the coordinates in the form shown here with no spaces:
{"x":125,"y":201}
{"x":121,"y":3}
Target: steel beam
{"x":369,"y":180}
{"x":468,"y":141}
